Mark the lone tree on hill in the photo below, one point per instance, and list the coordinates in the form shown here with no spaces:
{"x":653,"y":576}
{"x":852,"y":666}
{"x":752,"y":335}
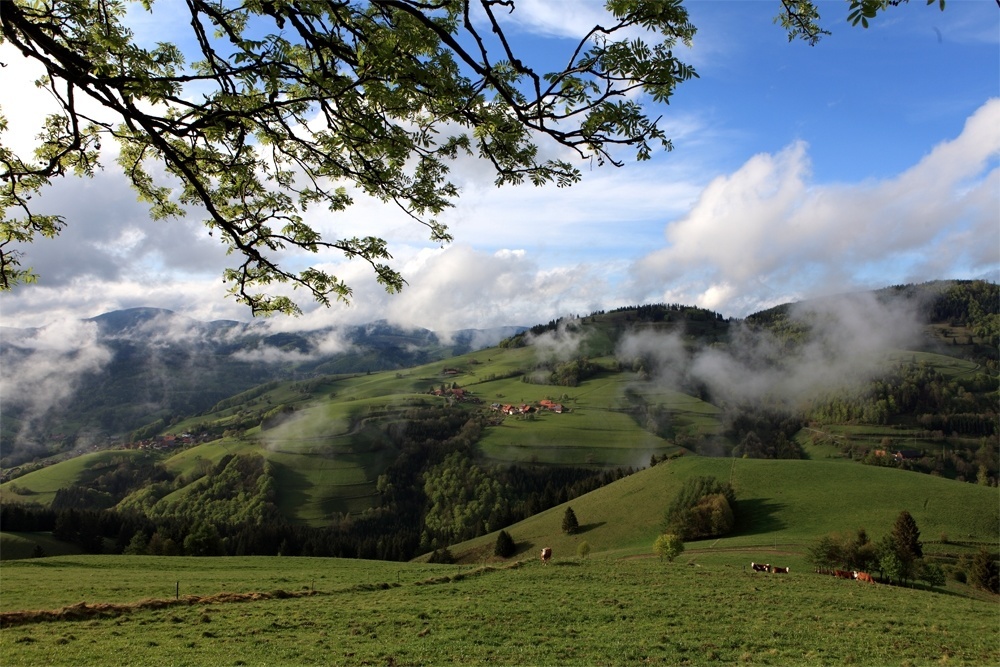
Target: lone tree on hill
{"x":505,"y":545}
{"x":266,"y":109}
{"x":668,"y":546}
{"x":569,"y":523}
{"x":906,"y":535}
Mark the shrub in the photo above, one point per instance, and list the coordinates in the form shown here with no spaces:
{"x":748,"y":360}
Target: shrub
{"x":441,"y":556}
{"x":931,"y":573}
{"x":505,"y":545}
{"x":583,"y":549}
{"x":984,"y":573}
{"x":668,"y":546}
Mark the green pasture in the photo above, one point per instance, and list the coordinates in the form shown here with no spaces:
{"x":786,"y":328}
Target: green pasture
{"x":781,"y":505}
{"x":189,"y":460}
{"x":312,"y":487}
{"x":596,"y":430}
{"x":702,"y":609}
{"x":50,"y":583}
{"x":580,"y":437}
{"x":14,"y":546}
{"x":875,"y":437}
{"x":42,"y":484}
{"x":950,"y":367}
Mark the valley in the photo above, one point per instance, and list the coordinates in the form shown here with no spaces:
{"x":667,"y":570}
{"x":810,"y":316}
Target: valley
{"x":320,"y":515}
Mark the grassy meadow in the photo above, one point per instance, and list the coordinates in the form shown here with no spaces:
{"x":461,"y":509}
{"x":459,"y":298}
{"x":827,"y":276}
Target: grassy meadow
{"x":621,"y":606}
{"x":782,"y":504}
{"x":703,"y":609}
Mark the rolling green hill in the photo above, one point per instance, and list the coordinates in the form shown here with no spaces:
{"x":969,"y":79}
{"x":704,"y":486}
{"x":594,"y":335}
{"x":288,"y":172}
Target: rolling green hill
{"x":562,"y":408}
{"x":781,"y":505}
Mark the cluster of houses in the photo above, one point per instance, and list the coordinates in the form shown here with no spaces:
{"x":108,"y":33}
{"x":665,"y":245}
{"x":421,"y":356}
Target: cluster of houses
{"x":899,"y":455}
{"x":163,"y":442}
{"x":525,"y":409}
{"x":456,"y":393}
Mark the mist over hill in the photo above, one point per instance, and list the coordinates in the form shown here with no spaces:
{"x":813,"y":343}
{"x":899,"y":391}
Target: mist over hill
{"x":397,"y":463}
{"x":74,"y":384}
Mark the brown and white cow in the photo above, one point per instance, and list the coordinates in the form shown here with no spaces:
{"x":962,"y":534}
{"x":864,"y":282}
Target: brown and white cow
{"x":864,"y":576}
{"x":779,"y":570}
{"x":841,"y":574}
{"x":546,"y":555}
{"x":759,"y":567}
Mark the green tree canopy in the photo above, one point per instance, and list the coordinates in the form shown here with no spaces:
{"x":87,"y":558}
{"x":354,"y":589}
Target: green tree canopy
{"x":268,"y":109}
{"x":668,"y":546}
{"x":462,"y":499}
{"x":702,"y":508}
{"x":985,"y":573}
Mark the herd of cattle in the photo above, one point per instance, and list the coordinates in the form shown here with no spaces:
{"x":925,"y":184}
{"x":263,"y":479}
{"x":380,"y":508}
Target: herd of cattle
{"x":767,"y":567}
{"x":847,"y":574}
{"x":840,"y":574}
{"x":546,"y":556}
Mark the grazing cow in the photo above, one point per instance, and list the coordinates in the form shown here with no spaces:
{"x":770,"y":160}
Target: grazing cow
{"x":759,"y":567}
{"x":546,"y":555}
{"x":841,"y":574}
{"x":864,"y":576}
{"x":779,"y":570}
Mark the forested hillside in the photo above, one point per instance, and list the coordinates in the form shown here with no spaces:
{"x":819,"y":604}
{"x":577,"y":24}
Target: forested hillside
{"x":77,"y":386}
{"x":405,"y":462}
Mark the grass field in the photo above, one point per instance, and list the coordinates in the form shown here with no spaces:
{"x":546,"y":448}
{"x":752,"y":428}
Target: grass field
{"x":619,"y":607}
{"x":43,"y":484}
{"x":327,"y":458}
{"x":704,"y":609}
{"x":782,"y":505}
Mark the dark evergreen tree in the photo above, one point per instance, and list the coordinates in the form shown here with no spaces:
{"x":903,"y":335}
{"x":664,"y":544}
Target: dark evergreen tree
{"x":907,"y":537}
{"x":569,"y":523}
{"x":906,"y":543}
{"x":505,"y":546}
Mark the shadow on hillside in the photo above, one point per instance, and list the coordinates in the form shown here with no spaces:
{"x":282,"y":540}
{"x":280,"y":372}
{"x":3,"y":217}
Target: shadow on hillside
{"x":757,"y":515}
{"x":589,"y":526}
{"x":293,"y":485}
{"x":524,"y":547}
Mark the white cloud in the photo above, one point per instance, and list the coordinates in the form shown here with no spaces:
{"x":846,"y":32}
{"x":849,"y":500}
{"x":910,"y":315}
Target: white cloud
{"x":43,"y":368}
{"x":768,"y":224}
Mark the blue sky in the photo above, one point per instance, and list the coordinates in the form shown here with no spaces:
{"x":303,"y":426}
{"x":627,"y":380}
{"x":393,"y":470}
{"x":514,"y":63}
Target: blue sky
{"x":870,"y":159}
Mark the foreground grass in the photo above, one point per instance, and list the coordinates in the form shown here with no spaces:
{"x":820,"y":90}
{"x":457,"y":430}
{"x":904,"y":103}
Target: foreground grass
{"x":602,"y":611}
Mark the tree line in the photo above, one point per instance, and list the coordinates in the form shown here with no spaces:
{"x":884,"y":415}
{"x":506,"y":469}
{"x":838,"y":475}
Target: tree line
{"x":898,"y":557}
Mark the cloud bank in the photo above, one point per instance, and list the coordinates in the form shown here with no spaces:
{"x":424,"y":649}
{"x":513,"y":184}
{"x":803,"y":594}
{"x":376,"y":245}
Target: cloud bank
{"x":847,"y":345}
{"x":768,"y":225}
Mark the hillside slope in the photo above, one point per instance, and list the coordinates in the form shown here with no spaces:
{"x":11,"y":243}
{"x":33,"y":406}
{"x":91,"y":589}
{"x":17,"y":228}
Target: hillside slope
{"x":779,"y":503}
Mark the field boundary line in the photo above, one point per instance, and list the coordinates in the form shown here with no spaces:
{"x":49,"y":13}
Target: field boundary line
{"x":83,"y":611}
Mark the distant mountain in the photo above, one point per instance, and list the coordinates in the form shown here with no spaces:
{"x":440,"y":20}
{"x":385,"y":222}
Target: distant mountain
{"x":71,"y":384}
{"x":397,"y":463}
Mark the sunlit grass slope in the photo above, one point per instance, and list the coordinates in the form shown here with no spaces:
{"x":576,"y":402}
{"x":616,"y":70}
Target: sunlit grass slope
{"x":328,"y":456}
{"x":592,"y":612}
{"x":787,"y":503}
{"x":43,"y":483}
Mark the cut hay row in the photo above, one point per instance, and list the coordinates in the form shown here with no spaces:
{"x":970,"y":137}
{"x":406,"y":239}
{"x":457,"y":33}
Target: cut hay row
{"x":82,"y":611}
